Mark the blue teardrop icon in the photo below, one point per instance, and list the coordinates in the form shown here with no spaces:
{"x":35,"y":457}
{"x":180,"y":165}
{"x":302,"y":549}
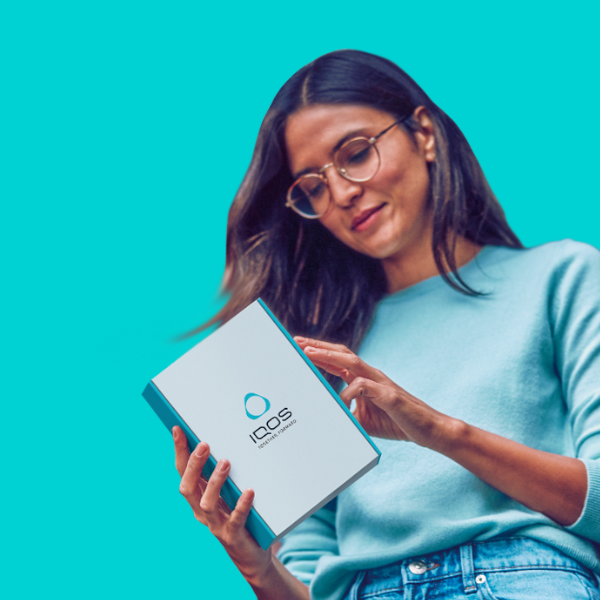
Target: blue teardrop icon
{"x":251,"y":415}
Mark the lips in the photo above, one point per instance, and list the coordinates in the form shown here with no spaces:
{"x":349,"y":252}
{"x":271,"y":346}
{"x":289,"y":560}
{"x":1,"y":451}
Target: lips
{"x":364,"y":215}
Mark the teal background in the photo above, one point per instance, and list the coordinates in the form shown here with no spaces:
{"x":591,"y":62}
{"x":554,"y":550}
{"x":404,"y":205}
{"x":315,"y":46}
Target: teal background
{"x":125,"y":130}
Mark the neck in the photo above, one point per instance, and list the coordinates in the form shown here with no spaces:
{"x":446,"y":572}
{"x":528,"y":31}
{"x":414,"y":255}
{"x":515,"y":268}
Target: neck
{"x":417,"y":263}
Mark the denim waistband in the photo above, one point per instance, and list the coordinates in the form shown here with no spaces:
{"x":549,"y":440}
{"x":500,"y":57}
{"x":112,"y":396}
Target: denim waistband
{"x":467,"y":561}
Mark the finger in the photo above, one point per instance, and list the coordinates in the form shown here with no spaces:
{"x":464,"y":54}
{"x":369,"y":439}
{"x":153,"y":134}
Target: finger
{"x":182,"y":452}
{"x":335,"y":370}
{"x":190,"y":486}
{"x":347,"y":404}
{"x":303,"y":341}
{"x":242,"y":509}
{"x":342,"y":373}
{"x":342,"y":360}
{"x":361,"y":387}
{"x":210,"y":498}
{"x":330,"y":368}
{"x":222,"y":504}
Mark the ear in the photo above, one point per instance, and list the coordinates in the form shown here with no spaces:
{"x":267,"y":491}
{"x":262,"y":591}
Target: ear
{"x":425,"y":136}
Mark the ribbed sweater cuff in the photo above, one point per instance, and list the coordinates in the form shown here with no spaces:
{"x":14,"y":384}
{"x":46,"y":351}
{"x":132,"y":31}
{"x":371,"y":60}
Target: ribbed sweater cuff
{"x":588,"y":524}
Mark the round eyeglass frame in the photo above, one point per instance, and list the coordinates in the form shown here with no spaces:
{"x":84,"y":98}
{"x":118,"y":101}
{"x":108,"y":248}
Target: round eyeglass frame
{"x":321,"y":173}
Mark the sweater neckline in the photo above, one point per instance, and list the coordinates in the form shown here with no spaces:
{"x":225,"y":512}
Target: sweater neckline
{"x":432,"y":283}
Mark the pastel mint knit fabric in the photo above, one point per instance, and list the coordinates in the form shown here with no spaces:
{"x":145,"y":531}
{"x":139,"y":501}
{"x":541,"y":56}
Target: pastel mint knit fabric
{"x":522,"y":361}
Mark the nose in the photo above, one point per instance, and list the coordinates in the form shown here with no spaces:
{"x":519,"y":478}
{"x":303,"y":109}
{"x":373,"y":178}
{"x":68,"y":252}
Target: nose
{"x":343,"y":191}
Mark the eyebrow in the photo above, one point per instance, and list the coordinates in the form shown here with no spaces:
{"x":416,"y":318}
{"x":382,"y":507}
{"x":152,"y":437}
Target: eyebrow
{"x":340,"y":143}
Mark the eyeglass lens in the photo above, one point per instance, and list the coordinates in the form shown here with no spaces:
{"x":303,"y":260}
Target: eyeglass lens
{"x":358,"y":160}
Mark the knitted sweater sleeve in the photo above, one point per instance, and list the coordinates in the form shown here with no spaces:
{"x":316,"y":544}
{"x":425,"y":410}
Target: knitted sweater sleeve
{"x":316,"y":537}
{"x":575,"y":316}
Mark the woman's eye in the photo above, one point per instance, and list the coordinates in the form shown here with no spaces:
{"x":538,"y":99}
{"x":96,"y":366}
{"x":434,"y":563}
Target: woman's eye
{"x":359,"y":156}
{"x":314,"y":191}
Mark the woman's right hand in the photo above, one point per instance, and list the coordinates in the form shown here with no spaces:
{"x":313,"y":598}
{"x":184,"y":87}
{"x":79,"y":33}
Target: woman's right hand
{"x":210,"y":509}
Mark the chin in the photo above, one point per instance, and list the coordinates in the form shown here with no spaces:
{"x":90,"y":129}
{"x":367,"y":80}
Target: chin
{"x":383,"y":248}
{"x":380,"y":253}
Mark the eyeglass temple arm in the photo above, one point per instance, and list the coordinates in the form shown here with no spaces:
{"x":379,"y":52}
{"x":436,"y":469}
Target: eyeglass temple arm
{"x":392,"y":125}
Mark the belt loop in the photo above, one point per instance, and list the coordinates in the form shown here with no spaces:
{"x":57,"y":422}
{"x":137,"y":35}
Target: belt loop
{"x":468,"y":572}
{"x":353,"y":595}
{"x":406,"y":581}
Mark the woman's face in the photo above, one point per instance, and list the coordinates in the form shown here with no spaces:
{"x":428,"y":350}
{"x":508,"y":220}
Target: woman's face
{"x":388,"y":215}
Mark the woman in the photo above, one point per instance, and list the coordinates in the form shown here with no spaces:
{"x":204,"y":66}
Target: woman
{"x":366,"y":224}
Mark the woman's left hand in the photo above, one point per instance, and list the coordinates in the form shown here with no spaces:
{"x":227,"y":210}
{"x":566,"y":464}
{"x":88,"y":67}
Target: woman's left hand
{"x":552,"y":484}
{"x":383,"y":408}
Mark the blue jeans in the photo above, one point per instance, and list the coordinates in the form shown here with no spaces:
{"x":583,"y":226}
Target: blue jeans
{"x":515,"y":568}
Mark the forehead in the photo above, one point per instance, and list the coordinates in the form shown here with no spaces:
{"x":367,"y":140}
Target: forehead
{"x":312,"y":133}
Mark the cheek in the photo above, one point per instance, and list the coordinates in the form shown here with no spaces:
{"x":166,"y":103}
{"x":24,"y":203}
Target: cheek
{"x":407,"y":184}
{"x":334,"y":225}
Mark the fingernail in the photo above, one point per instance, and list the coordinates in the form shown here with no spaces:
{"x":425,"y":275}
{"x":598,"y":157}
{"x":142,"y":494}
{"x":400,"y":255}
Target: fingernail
{"x":200,"y":450}
{"x":300,"y":339}
{"x":223,"y":465}
{"x":174,"y":434}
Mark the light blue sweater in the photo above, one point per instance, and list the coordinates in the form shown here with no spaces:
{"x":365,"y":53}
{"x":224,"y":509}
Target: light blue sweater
{"x":522,"y":362}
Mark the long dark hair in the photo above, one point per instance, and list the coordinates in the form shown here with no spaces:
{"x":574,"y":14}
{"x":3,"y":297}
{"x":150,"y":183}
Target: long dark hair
{"x":314,"y":284}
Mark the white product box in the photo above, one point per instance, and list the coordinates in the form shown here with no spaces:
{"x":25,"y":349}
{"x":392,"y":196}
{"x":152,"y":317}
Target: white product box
{"x":251,"y":393}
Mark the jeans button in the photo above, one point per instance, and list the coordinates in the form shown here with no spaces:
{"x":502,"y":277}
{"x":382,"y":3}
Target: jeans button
{"x":480,"y":579}
{"x":417,"y":567}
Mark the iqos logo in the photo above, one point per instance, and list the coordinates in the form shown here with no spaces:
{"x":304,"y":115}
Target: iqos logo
{"x":256,"y":406}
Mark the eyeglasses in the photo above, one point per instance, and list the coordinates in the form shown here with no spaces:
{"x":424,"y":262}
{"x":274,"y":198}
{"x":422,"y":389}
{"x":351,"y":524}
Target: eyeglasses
{"x":357,"y":160}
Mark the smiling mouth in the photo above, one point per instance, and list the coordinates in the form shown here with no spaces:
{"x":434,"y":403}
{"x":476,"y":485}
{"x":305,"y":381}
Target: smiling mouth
{"x":364,"y":215}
